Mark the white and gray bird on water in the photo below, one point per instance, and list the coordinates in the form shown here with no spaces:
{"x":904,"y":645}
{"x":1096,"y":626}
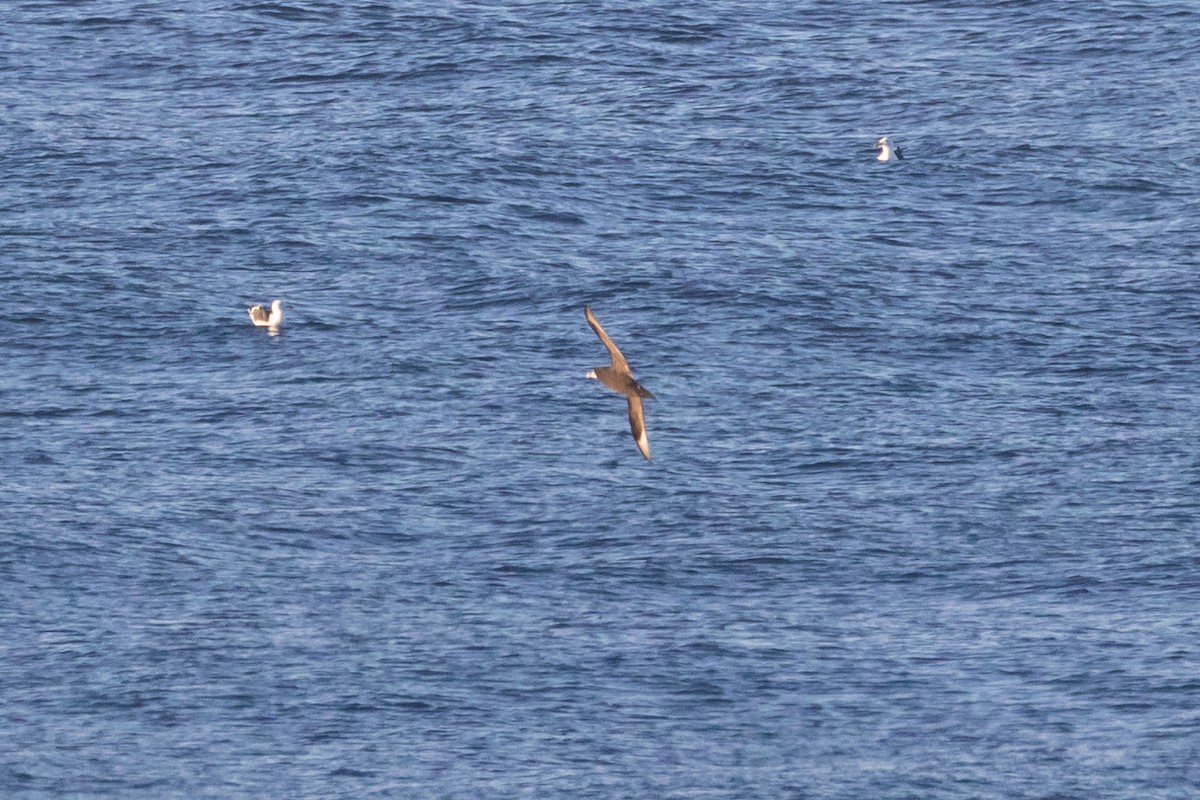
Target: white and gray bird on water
{"x":262,"y":319}
{"x":618,"y":377}
{"x":887,"y":150}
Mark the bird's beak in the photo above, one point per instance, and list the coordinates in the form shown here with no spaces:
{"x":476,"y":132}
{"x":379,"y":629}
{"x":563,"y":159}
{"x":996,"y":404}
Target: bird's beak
{"x":591,"y":374}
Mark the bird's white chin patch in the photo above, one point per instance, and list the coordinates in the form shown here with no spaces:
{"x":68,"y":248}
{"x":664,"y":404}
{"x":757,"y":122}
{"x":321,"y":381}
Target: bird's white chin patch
{"x":590,"y":374}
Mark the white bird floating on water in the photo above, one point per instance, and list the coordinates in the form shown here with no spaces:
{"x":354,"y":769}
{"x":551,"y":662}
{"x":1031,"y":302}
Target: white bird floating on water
{"x":887,"y":150}
{"x":260,"y":317}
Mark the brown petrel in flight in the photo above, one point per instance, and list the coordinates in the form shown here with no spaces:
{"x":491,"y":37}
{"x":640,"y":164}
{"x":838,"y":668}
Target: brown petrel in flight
{"x":619,"y":378}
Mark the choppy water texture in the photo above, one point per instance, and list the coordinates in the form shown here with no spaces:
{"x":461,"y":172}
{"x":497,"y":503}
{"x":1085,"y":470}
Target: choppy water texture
{"x":922,"y":519}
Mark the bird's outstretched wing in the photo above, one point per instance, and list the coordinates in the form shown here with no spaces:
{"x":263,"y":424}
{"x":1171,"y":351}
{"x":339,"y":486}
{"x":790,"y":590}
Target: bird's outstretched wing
{"x":257,"y":315}
{"x":618,"y":360}
{"x":637,"y":424}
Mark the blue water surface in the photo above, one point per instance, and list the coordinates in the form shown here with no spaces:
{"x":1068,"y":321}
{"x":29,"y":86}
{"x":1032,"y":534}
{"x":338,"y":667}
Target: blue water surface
{"x":923,"y":515}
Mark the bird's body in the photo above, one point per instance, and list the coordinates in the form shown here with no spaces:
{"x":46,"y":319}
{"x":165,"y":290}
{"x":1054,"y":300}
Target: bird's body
{"x":262,"y":319}
{"x":619,"y":378}
{"x":887,"y":150}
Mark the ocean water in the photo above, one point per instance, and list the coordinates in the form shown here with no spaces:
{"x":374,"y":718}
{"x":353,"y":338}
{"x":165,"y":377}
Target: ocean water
{"x":923,"y":515}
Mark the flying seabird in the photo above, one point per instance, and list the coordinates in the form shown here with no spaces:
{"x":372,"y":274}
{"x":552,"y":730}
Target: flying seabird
{"x":260,"y":317}
{"x":619,"y":378}
{"x":887,"y":150}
